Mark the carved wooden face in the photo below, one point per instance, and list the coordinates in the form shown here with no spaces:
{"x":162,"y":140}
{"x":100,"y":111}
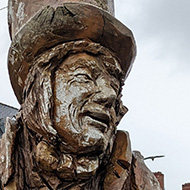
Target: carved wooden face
{"x":84,"y":104}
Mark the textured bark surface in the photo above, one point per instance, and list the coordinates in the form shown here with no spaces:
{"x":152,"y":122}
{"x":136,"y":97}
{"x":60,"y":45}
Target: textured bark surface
{"x":67,"y":63}
{"x":124,"y":171}
{"x":73,"y":21}
{"x":7,"y":147}
{"x":118,"y":171}
{"x":144,"y":178}
{"x":21,"y":11}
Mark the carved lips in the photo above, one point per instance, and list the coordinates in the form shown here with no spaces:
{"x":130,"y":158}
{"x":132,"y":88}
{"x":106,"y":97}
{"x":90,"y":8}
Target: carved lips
{"x":99,"y":120}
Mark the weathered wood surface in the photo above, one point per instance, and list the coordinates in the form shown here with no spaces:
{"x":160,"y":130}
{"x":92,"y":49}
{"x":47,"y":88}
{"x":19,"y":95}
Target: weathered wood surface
{"x":67,"y":63}
{"x":21,"y":11}
{"x":125,"y":171}
{"x":52,"y":26}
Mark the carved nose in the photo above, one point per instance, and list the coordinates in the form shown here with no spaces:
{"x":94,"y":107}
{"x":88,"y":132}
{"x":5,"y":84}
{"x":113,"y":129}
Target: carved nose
{"x":105,"y":95}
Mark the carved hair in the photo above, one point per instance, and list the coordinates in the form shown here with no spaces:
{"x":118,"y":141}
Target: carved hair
{"x":37,"y":107}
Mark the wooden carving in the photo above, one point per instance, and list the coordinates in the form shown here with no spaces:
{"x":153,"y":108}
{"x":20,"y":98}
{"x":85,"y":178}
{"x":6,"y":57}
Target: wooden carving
{"x":68,"y":62}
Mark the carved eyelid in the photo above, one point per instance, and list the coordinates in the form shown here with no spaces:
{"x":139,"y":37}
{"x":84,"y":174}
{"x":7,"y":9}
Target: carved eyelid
{"x":82,"y":72}
{"x":83,"y":75}
{"x":80,"y":77}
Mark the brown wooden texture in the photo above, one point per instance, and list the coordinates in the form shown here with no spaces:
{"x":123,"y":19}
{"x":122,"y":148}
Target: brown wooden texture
{"x":67,"y":63}
{"x":73,"y":21}
{"x":21,"y":11}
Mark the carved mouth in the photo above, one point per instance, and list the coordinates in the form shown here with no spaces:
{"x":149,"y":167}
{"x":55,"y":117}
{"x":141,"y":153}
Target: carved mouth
{"x":101,"y":117}
{"x":100,"y":121}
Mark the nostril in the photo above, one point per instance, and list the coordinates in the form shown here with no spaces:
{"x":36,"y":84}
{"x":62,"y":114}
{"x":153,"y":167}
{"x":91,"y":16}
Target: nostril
{"x":108,"y":105}
{"x":111,"y":101}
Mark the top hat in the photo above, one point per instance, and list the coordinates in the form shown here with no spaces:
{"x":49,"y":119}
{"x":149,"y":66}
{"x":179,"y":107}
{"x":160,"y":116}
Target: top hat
{"x":38,"y":25}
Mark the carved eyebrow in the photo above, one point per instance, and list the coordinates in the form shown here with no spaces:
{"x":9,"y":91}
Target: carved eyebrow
{"x":85,"y":71}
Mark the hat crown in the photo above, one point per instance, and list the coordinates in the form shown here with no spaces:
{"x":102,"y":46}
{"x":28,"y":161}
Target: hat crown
{"x":20,"y":11}
{"x":39,"y":25}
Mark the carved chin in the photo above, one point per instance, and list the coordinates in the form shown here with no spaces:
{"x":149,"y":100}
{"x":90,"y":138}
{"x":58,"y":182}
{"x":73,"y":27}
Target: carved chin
{"x":86,"y":136}
{"x":90,"y":141}
{"x":93,"y":141}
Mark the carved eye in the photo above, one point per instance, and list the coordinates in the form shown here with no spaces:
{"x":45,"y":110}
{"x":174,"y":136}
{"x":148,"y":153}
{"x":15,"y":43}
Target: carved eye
{"x":83,"y":78}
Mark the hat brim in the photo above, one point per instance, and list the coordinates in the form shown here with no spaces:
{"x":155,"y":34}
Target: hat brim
{"x":72,"y":21}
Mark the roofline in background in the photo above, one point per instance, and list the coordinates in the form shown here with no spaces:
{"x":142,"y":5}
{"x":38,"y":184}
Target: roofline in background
{"x":8,"y":106}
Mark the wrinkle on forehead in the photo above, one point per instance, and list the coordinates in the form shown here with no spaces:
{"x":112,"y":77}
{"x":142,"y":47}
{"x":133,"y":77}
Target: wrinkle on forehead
{"x":80,"y":60}
{"x":94,"y":63}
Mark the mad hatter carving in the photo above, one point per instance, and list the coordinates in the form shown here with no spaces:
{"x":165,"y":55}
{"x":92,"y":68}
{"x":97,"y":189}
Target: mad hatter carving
{"x":67,"y":63}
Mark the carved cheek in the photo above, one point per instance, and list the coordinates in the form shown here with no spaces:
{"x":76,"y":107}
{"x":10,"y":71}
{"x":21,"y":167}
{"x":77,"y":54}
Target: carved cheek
{"x":70,"y":97}
{"x":62,"y":98}
{"x":80,"y":92}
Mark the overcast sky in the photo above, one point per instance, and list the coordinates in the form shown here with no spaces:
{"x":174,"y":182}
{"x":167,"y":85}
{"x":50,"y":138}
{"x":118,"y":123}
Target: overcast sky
{"x":157,"y":91}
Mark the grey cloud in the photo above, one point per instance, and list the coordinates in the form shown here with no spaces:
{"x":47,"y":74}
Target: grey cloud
{"x":161,"y":22}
